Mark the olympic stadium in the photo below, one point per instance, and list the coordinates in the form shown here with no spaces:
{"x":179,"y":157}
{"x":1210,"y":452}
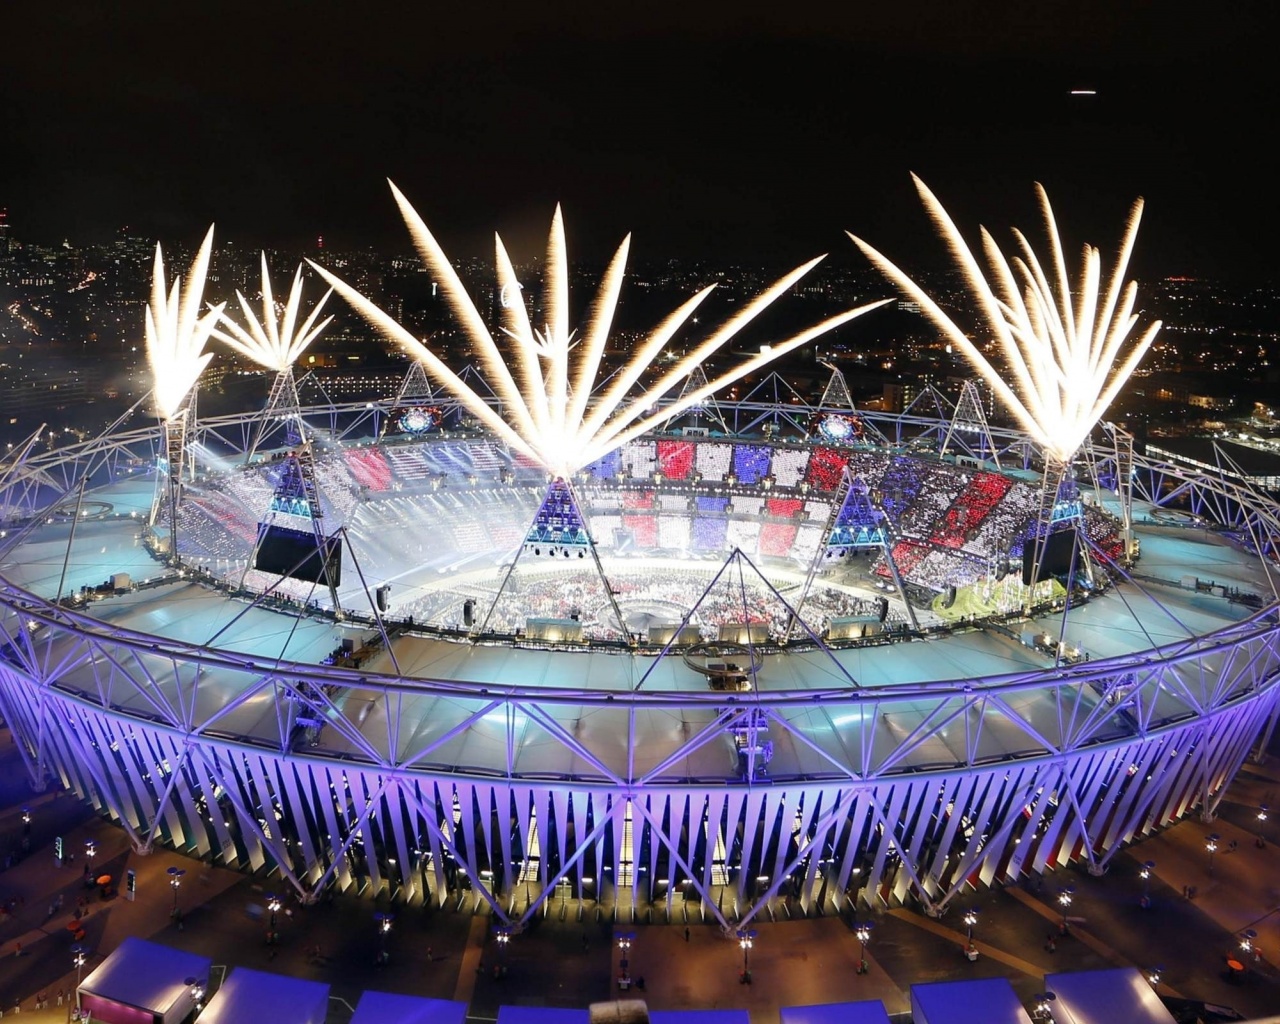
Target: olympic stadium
{"x":762,"y":657}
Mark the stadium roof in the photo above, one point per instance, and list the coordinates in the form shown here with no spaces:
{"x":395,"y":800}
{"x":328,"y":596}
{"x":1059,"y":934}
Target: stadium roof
{"x":1253,"y":462}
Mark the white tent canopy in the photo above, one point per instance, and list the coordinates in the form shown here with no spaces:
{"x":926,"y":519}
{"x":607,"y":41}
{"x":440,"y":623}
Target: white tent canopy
{"x":256,"y":997}
{"x":1098,"y":997}
{"x":984,"y":1001}
{"x":388,"y":1008}
{"x":541,"y":1015}
{"x":864,"y":1011}
{"x":699,"y":1017}
{"x":143,"y":977}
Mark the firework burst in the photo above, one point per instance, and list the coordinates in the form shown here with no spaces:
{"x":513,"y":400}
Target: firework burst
{"x":1067,"y":354}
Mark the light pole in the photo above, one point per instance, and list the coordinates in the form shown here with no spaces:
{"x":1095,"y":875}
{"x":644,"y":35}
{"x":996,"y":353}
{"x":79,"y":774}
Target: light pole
{"x":78,"y":956}
{"x":90,"y":848}
{"x":175,"y":881}
{"x":503,"y":936}
{"x":746,"y":939}
{"x":384,"y":927}
{"x":1211,"y":847}
{"x":273,"y":905}
{"x":196,"y":985}
{"x":970,"y":919}
{"x":1064,"y":901}
{"x":1154,"y":975}
{"x":863,"y":933}
{"x":1145,"y":874}
{"x":1044,"y":1006}
{"x":624,"y":945}
{"x":1248,"y":942}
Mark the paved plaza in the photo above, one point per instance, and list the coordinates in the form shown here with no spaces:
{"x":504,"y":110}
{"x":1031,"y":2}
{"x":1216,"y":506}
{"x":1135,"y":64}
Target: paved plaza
{"x":571,"y":957}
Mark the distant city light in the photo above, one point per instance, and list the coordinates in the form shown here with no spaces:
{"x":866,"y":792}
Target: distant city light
{"x":1084,"y":92}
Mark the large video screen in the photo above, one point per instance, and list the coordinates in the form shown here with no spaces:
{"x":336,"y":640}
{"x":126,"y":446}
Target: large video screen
{"x":294,"y":553}
{"x":1055,"y":559}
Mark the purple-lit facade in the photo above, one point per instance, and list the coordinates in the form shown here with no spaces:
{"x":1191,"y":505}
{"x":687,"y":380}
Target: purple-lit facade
{"x":502,"y":771}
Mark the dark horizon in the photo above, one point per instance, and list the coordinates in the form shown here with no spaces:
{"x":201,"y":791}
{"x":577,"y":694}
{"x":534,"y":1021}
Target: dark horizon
{"x":713,"y":134}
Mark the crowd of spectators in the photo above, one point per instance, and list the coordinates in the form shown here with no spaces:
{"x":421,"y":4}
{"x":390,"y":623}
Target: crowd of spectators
{"x":436,"y":501}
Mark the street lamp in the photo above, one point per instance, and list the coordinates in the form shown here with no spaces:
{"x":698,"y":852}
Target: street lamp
{"x":1044,"y":1006}
{"x":175,"y":880}
{"x":970,"y":919}
{"x":503,"y":935}
{"x":1064,"y":901}
{"x":273,"y":905}
{"x":746,"y":939}
{"x":196,"y":985}
{"x":863,"y":933}
{"x":624,"y":944}
{"x":384,"y":926}
{"x":78,"y":956}
{"x":1247,"y":942}
{"x":1145,"y":874}
{"x":1211,"y":847}
{"x":1154,"y":976}
{"x":90,"y":848}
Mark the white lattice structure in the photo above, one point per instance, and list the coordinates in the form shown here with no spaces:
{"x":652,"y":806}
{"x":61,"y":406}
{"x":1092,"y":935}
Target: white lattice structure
{"x":898,"y":770}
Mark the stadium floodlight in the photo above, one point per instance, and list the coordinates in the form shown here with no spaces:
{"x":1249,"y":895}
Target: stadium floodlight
{"x":1064,"y":351}
{"x":552,"y":412}
{"x":177,"y":333}
{"x":274,"y":341}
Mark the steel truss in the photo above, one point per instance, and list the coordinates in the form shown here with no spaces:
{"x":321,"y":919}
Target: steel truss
{"x":884,"y":794}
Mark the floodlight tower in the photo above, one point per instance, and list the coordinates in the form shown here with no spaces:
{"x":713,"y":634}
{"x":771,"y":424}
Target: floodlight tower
{"x":176,"y":336}
{"x":275,"y":342}
{"x":969,"y":424}
{"x":1059,"y":351}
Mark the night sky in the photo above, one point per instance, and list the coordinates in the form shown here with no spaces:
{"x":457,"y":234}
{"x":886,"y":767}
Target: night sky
{"x":710,"y":130}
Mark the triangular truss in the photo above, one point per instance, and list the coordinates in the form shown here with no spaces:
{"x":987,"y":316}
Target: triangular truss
{"x":283,"y":406}
{"x":415,"y":388}
{"x":836,"y":394}
{"x":558,"y":521}
{"x":297,"y":495}
{"x":749,"y":612}
{"x":856,"y":522}
{"x":930,"y":403}
{"x":1109,"y":464}
{"x":1060,"y":510}
{"x":706,"y":410}
{"x":559,"y":532}
{"x":968,"y":428}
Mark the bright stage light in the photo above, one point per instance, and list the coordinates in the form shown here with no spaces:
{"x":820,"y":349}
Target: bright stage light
{"x":1062,"y":357}
{"x":553,"y":414}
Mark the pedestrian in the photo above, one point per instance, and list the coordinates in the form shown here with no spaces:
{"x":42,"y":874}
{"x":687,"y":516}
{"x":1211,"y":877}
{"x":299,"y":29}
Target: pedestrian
{"x":1234,"y":845}
{"x":1185,"y":887}
{"x":59,"y":997}
{"x":17,"y":949}
{"x":686,"y":935}
{"x":1052,"y":944}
